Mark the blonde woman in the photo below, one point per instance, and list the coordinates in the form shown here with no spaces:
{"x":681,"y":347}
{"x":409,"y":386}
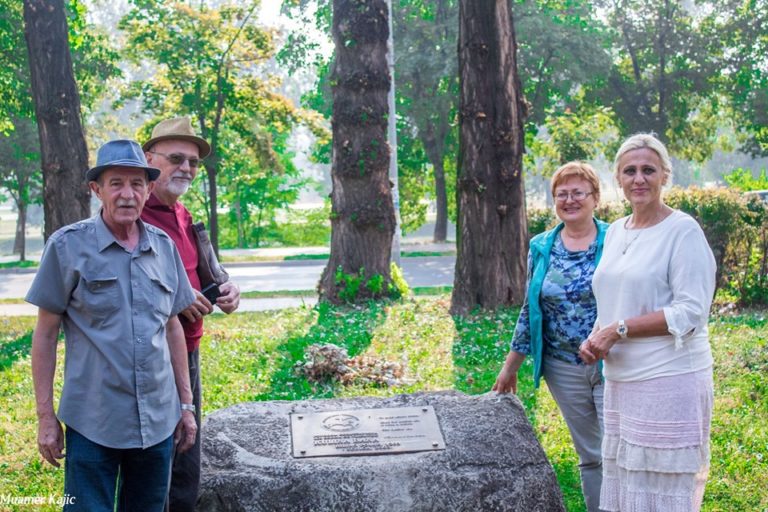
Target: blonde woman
{"x":654,"y":288}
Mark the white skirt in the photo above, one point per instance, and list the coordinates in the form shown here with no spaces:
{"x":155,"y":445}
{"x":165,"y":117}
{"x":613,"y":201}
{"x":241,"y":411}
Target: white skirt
{"x":656,"y":443}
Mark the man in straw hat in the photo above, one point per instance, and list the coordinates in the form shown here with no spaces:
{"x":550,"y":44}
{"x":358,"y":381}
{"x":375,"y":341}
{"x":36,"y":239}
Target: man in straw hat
{"x":116,"y":285}
{"x":176,"y":150}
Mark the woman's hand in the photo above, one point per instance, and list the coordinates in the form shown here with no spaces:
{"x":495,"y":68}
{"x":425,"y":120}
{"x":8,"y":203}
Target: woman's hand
{"x":506,"y":381}
{"x":598,"y":344}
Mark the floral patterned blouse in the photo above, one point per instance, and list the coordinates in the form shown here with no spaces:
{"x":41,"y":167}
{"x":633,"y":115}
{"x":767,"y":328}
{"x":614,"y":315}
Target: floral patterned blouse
{"x":567,"y":305}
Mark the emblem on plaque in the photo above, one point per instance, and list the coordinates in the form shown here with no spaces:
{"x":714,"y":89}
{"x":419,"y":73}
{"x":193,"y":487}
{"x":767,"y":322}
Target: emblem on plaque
{"x":341,"y":422}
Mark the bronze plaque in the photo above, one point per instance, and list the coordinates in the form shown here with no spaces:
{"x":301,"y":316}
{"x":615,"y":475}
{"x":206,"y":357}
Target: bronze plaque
{"x":365,"y":432}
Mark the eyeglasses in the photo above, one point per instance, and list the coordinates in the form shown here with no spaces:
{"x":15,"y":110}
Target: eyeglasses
{"x":179,"y":158}
{"x":576,"y":195}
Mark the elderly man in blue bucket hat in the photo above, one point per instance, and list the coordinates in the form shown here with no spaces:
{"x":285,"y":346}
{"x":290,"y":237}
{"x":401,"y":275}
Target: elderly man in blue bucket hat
{"x":116,"y":285}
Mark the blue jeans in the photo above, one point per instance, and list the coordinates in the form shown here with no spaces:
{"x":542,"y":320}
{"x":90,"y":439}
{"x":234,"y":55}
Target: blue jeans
{"x":94,"y":474}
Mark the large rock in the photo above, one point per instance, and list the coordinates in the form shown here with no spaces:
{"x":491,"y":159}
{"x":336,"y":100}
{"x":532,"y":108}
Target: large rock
{"x":492,"y":461}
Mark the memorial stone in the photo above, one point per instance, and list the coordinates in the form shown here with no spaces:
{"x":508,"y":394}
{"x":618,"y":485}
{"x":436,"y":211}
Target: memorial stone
{"x":490,"y":460}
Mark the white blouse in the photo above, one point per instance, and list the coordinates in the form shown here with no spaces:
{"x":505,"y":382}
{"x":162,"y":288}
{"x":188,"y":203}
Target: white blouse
{"x":669,"y":267}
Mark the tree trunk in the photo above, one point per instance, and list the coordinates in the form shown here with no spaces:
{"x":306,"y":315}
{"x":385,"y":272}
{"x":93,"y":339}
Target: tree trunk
{"x":63,"y":151}
{"x":434,"y":150}
{"x":362,"y":214}
{"x":492,"y":232}
{"x":213,"y":221}
{"x":441,"y":203}
{"x":19,"y":244}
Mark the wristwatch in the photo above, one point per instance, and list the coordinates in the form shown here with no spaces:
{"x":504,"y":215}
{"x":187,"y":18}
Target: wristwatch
{"x":188,"y":407}
{"x":622,"y":330}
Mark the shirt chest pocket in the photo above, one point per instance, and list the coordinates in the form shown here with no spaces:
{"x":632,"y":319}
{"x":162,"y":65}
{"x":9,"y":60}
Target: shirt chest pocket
{"x":100,"y":294}
{"x":162,"y":297}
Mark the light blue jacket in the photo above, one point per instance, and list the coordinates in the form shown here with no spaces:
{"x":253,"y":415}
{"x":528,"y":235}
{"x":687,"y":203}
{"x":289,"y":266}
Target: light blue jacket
{"x":540,"y":249}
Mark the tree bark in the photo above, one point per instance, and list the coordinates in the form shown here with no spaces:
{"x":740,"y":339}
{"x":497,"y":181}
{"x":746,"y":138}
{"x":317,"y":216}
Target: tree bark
{"x":63,"y":151}
{"x":362,"y":213}
{"x":19,"y":244}
{"x":492,"y":232}
{"x":435,"y":149}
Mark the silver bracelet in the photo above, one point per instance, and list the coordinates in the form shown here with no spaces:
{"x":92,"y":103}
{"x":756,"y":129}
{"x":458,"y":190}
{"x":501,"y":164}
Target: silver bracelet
{"x":189,"y":407}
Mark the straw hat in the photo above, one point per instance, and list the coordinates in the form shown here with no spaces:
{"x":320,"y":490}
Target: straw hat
{"x":178,"y":128}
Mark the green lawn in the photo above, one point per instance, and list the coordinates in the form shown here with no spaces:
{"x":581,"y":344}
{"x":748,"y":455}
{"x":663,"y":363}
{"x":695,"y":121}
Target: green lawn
{"x":250,"y":356}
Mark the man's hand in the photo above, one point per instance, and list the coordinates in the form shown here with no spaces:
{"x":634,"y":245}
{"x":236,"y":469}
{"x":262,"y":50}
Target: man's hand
{"x":186,"y":430}
{"x":198,"y":309}
{"x":50,"y":439}
{"x":230,"y":297}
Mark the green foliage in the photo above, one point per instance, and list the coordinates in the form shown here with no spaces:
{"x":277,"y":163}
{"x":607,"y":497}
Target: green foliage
{"x":349,"y":284}
{"x":737,"y":30}
{"x":398,"y":286}
{"x":207,"y":66}
{"x":540,"y":220}
{"x":609,"y":212}
{"x":581,"y":134}
{"x":743,"y":180}
{"x":737,"y":231}
{"x":94,"y":64}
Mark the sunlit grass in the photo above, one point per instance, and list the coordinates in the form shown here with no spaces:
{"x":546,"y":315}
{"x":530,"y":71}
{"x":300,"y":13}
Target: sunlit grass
{"x":251,"y":356}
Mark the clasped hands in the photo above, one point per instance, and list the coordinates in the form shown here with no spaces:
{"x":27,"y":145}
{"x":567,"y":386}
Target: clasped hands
{"x":598,"y":344}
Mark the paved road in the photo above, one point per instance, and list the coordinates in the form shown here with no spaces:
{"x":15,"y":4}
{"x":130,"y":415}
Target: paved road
{"x":274,"y":276}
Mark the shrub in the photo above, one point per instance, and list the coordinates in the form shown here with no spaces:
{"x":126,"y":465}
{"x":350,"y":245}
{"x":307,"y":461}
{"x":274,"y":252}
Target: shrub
{"x":540,"y":220}
{"x":737,"y":231}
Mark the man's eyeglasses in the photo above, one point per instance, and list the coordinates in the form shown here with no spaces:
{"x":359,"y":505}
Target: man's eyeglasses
{"x":576,"y":195}
{"x":178,"y":159}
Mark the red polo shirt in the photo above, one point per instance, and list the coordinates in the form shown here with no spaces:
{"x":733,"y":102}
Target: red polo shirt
{"x":177,"y":222}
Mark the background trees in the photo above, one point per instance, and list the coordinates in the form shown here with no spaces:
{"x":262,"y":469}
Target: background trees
{"x":93,"y":64}
{"x":590,"y":71}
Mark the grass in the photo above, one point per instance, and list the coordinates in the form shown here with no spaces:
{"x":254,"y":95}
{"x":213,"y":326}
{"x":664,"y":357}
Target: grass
{"x":250,"y":356}
{"x":20,"y":264}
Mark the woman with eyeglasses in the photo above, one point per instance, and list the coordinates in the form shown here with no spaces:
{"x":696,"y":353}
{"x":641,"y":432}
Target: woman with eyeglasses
{"x":654,"y":288}
{"x":559,"y":312}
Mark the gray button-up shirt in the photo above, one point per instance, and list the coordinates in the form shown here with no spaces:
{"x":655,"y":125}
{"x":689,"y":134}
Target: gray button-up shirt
{"x":119,"y":388}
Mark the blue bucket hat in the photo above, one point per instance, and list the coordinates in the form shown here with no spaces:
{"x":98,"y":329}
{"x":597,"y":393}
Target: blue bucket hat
{"x":121,"y":153}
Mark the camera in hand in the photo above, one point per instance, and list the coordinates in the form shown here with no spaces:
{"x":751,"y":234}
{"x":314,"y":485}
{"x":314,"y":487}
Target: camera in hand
{"x":211,"y":292}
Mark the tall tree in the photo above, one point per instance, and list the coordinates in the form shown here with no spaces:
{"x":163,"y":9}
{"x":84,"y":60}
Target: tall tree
{"x":207,"y":65}
{"x":663,"y":75}
{"x":64,"y":154}
{"x":737,"y":30}
{"x":425,"y":42}
{"x":492,"y":233}
{"x":363,"y":215}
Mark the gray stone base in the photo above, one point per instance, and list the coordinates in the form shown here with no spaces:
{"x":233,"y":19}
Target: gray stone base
{"x":492,"y":461}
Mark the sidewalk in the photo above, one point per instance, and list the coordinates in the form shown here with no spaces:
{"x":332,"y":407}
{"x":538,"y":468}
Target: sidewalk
{"x":408,"y":244}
